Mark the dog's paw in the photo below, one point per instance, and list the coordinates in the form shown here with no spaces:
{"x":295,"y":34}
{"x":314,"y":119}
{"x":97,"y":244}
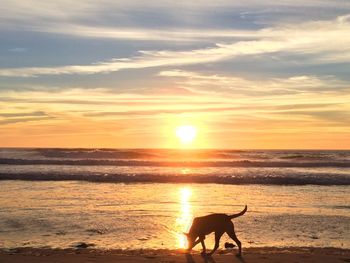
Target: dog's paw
{"x":188,"y":251}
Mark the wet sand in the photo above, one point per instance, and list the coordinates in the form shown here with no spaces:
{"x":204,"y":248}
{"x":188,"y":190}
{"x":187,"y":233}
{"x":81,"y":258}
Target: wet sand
{"x":251,"y":255}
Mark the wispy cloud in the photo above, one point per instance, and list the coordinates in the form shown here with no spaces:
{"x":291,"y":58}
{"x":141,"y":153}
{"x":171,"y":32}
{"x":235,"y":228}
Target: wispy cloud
{"x":307,"y":38}
{"x":22,"y":114}
{"x":145,"y":34}
{"x":266,"y":86}
{"x":164,"y":111}
{"x":20,"y":117}
{"x":330,"y":116}
{"x":25,"y":119}
{"x":83,"y":9}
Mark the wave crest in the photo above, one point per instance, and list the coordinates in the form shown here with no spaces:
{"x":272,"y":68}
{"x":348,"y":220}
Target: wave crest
{"x":319,"y":179}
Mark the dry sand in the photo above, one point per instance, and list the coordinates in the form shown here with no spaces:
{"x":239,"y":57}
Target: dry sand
{"x":251,"y":255}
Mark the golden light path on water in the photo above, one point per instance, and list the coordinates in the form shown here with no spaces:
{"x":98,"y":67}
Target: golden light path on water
{"x":184,"y":220}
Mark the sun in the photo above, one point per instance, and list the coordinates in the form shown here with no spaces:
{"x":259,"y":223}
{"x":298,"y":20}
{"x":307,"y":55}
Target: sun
{"x":186,"y":134}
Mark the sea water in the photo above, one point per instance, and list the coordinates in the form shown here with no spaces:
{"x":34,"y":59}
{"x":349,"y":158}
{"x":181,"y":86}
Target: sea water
{"x":133,"y":199}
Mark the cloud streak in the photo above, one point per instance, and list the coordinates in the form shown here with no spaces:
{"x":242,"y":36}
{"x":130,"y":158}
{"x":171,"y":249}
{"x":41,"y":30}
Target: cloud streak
{"x":311,"y":38}
{"x":141,"y":34}
{"x":22,"y":120}
{"x":266,"y":86}
{"x":22,"y":114}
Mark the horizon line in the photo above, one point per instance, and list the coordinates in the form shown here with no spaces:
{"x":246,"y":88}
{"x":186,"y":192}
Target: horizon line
{"x":179,"y":149}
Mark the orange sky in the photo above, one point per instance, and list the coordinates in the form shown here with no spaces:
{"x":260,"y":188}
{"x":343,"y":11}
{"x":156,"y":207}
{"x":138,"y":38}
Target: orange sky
{"x":133,"y":121}
{"x":247,"y":75}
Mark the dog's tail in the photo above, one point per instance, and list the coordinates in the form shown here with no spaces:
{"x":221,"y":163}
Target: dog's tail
{"x":239,"y":214}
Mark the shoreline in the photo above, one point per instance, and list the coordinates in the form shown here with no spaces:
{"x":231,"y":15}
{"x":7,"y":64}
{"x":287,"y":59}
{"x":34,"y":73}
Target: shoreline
{"x":250,"y":255}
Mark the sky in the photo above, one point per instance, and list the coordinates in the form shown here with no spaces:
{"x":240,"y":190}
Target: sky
{"x":127,"y":74}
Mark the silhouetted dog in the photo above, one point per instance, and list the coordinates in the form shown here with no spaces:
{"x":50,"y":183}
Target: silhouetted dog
{"x":218,"y":223}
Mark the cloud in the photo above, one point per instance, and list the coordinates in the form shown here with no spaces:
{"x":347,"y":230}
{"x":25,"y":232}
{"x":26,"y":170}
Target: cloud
{"x":145,"y":34}
{"x":313,"y":38}
{"x":164,"y":111}
{"x":19,"y":117}
{"x":22,"y":114}
{"x":85,"y":9}
{"x":93,"y":19}
{"x":26,"y":119}
{"x":108,"y":100}
{"x":239,"y":110}
{"x":266,"y":86}
{"x":326,"y":116}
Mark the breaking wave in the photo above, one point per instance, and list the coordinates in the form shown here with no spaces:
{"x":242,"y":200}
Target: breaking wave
{"x":282,"y":167}
{"x":181,"y":163}
{"x":244,"y":178}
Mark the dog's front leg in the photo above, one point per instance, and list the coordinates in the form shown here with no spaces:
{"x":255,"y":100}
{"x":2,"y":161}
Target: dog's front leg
{"x":194,"y":244}
{"x":203,"y":246}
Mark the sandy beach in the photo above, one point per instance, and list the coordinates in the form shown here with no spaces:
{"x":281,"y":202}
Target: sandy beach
{"x":251,"y":255}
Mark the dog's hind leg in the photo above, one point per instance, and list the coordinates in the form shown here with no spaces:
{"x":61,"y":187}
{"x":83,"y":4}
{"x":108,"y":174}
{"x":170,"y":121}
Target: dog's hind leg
{"x":231,"y":232}
{"x":217,"y":241}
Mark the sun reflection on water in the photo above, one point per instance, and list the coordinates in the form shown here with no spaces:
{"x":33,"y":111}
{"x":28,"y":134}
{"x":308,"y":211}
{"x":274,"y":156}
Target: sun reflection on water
{"x":185,"y":171}
{"x":184,"y":219}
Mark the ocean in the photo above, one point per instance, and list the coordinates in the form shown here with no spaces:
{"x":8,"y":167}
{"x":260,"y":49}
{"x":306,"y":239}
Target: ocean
{"x":146,"y":198}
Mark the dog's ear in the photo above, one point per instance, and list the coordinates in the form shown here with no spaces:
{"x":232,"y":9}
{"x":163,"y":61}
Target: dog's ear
{"x":186,"y":234}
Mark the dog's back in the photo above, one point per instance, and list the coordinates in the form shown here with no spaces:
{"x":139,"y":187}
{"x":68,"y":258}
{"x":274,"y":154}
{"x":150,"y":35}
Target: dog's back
{"x":205,"y":225}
